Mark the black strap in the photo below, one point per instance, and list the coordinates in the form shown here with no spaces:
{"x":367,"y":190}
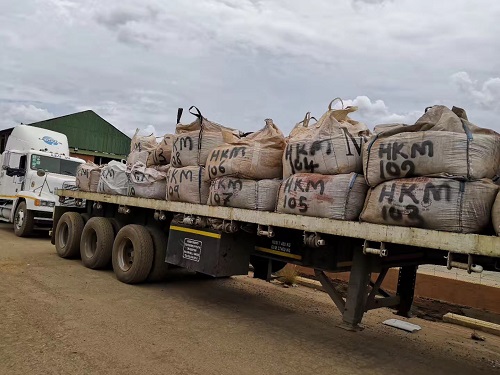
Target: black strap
{"x":198,"y":114}
{"x":179,"y":114}
{"x":200,"y":183}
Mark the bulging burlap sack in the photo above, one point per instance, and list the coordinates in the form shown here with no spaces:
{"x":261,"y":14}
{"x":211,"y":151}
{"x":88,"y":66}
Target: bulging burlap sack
{"x":441,"y":143}
{"x":330,"y":146}
{"x":87,"y":177}
{"x":241,"y":193}
{"x":495,"y":214}
{"x":114,"y":179}
{"x":162,"y":153}
{"x":141,"y":149}
{"x":187,"y":185}
{"x":192,"y":143}
{"x":147,"y":182}
{"x":432,"y":203}
{"x":339,"y":197}
{"x":142,"y":157}
{"x":256,"y":156}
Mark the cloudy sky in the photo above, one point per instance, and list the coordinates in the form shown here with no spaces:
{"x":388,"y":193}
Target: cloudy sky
{"x":241,"y":61}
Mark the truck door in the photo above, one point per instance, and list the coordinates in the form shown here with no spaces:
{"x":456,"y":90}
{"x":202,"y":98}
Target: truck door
{"x":12,"y":174}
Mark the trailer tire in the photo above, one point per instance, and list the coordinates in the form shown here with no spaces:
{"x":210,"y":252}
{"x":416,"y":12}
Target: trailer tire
{"x":96,"y":244}
{"x":117,"y":225}
{"x":24,"y":220}
{"x":68,"y":234}
{"x":160,"y":268}
{"x":132,"y":254}
{"x":86,"y":217}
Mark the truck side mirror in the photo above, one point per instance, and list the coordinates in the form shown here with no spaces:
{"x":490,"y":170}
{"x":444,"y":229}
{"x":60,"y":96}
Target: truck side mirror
{"x":40,"y":172}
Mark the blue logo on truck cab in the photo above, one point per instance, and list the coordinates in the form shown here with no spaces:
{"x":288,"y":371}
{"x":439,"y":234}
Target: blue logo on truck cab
{"x":50,"y":141}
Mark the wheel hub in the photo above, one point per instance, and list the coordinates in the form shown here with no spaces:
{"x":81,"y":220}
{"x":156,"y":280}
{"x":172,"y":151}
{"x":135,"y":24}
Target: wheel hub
{"x":19,"y":218}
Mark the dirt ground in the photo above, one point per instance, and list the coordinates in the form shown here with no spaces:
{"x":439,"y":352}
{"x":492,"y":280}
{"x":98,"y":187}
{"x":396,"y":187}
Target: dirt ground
{"x":57,"y":317}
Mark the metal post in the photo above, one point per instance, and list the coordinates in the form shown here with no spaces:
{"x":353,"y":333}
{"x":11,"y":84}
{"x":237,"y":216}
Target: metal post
{"x":406,"y":289}
{"x":357,"y":292}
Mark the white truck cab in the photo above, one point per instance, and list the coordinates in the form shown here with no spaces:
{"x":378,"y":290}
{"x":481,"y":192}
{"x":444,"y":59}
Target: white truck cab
{"x":35,"y":162}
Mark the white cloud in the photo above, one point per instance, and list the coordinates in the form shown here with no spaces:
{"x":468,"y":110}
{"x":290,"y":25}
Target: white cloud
{"x":241,"y":61}
{"x":487,"y":95}
{"x":377,"y":112}
{"x":14,"y":114}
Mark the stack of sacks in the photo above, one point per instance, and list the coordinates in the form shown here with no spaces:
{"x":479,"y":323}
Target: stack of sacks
{"x":191,"y":146}
{"x":162,"y":153}
{"x":247,"y":173}
{"x":435,"y":174}
{"x":142,"y":149}
{"x":114,"y":179}
{"x":322,"y":167}
{"x":147,"y":182}
{"x":87,"y":177}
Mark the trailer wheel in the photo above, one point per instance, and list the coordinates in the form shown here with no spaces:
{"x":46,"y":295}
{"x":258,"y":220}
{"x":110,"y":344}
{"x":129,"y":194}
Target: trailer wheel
{"x":133,"y":254}
{"x":86,"y":217}
{"x":117,"y":225}
{"x":96,"y":244}
{"x":160,"y":268}
{"x":68,"y":234}
{"x":24,"y":221}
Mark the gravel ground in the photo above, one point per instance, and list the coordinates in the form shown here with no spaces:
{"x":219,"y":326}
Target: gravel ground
{"x":57,"y":317}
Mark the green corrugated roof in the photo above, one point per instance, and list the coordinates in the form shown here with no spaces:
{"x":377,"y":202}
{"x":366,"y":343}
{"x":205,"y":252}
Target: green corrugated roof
{"x":97,"y":153}
{"x":89,"y":131}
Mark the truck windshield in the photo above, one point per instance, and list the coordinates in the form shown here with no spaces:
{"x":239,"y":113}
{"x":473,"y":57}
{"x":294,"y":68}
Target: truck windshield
{"x":54,"y":165}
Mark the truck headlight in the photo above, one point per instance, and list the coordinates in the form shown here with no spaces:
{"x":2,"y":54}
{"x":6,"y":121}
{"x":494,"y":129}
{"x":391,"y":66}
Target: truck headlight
{"x":42,"y":203}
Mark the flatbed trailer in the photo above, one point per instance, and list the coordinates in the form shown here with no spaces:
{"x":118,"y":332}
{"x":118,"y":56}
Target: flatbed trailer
{"x":222,"y":241}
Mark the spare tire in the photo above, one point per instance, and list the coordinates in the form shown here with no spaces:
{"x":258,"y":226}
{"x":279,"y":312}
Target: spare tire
{"x":68,"y":233}
{"x":96,"y":244}
{"x":160,"y":268}
{"x":132,"y":254}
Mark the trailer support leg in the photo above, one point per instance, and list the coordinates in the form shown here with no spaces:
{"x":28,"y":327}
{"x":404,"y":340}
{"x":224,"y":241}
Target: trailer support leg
{"x":327,"y":285}
{"x":406,"y":289}
{"x":357,"y":292}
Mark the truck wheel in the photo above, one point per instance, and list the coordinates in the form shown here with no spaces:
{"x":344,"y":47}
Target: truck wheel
{"x":96,"y":244}
{"x":160,"y":268}
{"x":68,"y":234}
{"x":24,"y":220}
{"x":132,"y":254}
{"x":86,"y":217}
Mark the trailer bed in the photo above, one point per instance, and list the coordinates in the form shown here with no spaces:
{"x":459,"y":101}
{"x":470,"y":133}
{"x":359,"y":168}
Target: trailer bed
{"x":473,"y":244}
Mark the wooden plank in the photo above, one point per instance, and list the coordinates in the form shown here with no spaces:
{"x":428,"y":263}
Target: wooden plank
{"x":478,"y":325}
{"x":454,"y":242}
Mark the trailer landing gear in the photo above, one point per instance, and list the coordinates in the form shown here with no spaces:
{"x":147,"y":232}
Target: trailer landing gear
{"x":363,"y":294}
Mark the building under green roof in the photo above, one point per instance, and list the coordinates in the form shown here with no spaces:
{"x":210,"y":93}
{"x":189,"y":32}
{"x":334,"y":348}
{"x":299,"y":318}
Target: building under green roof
{"x":89,"y":134}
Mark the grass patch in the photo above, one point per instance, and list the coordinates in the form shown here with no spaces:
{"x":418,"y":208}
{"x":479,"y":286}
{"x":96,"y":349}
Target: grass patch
{"x":288,"y":275}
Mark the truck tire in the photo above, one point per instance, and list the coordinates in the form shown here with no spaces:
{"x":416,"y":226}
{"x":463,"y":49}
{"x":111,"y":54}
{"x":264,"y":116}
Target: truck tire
{"x":96,"y":244}
{"x":160,"y":268}
{"x":24,"y":220}
{"x":132,"y":254}
{"x":68,"y":234}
